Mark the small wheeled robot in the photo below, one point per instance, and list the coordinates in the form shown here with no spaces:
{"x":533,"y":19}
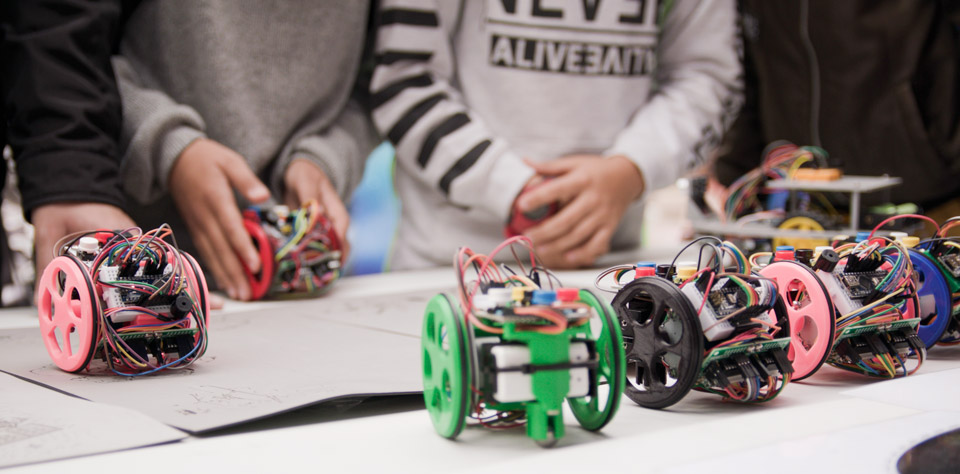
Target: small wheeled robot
{"x":514,"y":347}
{"x":130,"y":299}
{"x":705,"y":326}
{"x":854,"y":307}
{"x":793,"y":198}
{"x":937,"y":262}
{"x":299,"y":250}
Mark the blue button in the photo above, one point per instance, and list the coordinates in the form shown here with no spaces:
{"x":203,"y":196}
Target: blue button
{"x":543,"y":297}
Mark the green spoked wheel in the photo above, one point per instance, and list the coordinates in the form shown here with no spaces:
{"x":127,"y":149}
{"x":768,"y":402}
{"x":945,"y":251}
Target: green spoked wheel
{"x":446,"y":367}
{"x":596,"y":410}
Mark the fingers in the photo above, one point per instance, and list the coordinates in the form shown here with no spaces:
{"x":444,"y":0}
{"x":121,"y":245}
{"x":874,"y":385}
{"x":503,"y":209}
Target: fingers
{"x":567,"y":218}
{"x":555,"y":167}
{"x":242,"y":178}
{"x":578,"y":235}
{"x":715,"y":195}
{"x":561,"y":190}
{"x":54,"y":221}
{"x":216,"y":301}
{"x":337,"y":213}
{"x":231,"y":228}
{"x":43,"y":248}
{"x":219,"y":254}
{"x":229,"y":236}
{"x":305,"y":181}
{"x":210,"y":258}
{"x":587,"y":253}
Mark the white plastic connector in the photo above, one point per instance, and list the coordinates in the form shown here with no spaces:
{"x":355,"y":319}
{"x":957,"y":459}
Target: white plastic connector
{"x":841,"y":300}
{"x":516,"y":386}
{"x":579,"y":377}
{"x":500,"y":296}
{"x":483,"y":302}
{"x":712,"y":330}
{"x":819,"y":249}
{"x":88,"y":245}
{"x":898,"y":236}
{"x":281,"y":211}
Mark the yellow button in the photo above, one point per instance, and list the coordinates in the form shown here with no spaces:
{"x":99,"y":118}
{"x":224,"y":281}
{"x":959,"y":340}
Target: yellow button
{"x":684,"y":273}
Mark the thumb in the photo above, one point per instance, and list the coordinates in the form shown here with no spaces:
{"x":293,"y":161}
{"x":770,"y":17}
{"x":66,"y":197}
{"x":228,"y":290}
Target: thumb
{"x":243,"y":179}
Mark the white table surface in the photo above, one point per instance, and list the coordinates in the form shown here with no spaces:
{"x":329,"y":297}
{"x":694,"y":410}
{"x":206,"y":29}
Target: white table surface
{"x":798,"y":432}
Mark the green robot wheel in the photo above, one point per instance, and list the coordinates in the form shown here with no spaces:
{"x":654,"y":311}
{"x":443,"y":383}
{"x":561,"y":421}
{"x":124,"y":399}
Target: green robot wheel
{"x":595,"y":411}
{"x":446,"y":367}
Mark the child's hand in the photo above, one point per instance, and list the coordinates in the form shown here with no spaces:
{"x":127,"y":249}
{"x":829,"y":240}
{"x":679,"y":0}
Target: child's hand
{"x":716,"y":196}
{"x":202,"y":182}
{"x":593,"y":193}
{"x":55,"y":221}
{"x":303,"y":180}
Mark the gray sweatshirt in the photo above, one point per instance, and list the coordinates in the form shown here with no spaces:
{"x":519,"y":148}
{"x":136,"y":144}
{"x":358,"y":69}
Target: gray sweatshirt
{"x":270,"y":80}
{"x":467,"y":88}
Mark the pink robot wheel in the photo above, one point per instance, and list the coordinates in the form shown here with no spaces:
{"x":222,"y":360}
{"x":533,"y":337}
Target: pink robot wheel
{"x":69,"y":308}
{"x":810,"y":312}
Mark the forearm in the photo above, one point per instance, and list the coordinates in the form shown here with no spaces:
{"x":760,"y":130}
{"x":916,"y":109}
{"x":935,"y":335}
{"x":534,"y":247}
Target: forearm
{"x":340,"y":151}
{"x":156,"y":130}
{"x":61,"y":100}
{"x":438,"y":139}
{"x":699,"y":91}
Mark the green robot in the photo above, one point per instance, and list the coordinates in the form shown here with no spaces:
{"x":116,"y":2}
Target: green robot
{"x":511,"y":352}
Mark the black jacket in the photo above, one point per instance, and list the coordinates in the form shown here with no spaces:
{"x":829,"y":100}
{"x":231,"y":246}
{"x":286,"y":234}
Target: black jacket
{"x":62,"y":108}
{"x":874,"y":82}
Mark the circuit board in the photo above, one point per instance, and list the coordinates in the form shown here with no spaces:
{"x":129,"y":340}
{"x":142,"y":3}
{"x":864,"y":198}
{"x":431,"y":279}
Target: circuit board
{"x":952,"y":263}
{"x":165,"y":333}
{"x":118,"y":297}
{"x":859,"y":285}
{"x":507,"y":314}
{"x":854,"y":331}
{"x":763,"y":346}
{"x":726,"y":300}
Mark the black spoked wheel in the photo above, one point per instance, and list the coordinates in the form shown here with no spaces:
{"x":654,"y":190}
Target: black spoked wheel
{"x":663,"y":341}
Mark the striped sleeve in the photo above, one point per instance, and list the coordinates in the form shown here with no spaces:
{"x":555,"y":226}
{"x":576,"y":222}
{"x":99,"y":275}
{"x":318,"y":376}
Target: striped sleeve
{"x":439,"y":141}
{"x":700,"y":89}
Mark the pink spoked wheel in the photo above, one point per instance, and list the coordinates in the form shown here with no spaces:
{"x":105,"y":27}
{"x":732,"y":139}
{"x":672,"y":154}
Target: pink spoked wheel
{"x":198,"y":284}
{"x":69,"y":310}
{"x":810,"y":312}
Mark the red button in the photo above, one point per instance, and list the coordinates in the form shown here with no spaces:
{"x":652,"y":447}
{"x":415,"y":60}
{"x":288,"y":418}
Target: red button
{"x":568,"y":295}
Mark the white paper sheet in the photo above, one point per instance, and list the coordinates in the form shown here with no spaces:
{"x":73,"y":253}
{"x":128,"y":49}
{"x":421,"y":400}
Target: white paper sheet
{"x":37,"y":424}
{"x":261,"y":362}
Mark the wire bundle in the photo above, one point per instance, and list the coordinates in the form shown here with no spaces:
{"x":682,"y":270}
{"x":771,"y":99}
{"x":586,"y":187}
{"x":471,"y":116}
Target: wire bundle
{"x":551,"y":319}
{"x":781,"y":162}
{"x":554,"y":321}
{"x":720,"y":262}
{"x":894,"y":291}
{"x":947,"y":246}
{"x":133,"y":252}
{"x":750,"y":389}
{"x":308,"y":251}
